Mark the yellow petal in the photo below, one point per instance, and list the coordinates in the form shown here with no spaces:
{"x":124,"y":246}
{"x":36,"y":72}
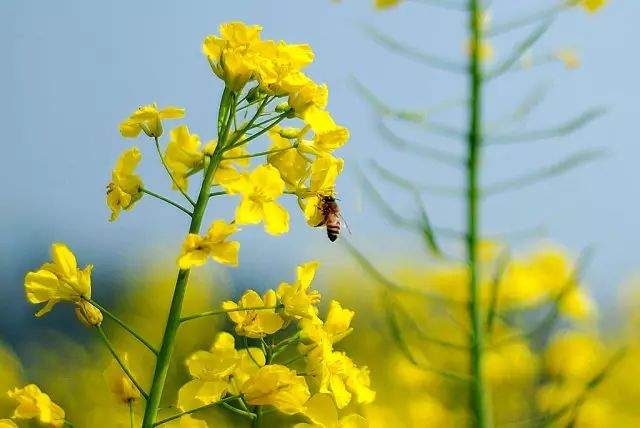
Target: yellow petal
{"x":226,"y":252}
{"x":194,"y":252}
{"x":276,"y":218}
{"x":249,"y":212}
{"x":220,"y":230}
{"x":313,"y":211}
{"x":267,"y":179}
{"x":171,"y":112}
{"x":306,"y":272}
{"x":64,"y":260}
{"x":321,"y":410}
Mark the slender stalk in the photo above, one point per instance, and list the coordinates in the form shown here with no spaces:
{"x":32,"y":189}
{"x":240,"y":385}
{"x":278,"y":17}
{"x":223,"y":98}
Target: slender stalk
{"x":197,"y":409}
{"x":227,"y":108}
{"x":166,"y":167}
{"x":478,"y":391}
{"x":224,"y":311}
{"x":253,"y":155}
{"x":257,"y":421}
{"x":279,"y":119}
{"x":124,"y":368}
{"x":131,"y":413}
{"x":124,"y":326}
{"x":238,"y":411}
{"x":167,"y":200}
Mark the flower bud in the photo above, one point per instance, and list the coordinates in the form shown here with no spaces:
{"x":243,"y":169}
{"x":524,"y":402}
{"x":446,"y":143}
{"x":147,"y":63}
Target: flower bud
{"x":283,"y":107}
{"x":290,"y":133}
{"x":254,"y":94}
{"x":88,"y":314}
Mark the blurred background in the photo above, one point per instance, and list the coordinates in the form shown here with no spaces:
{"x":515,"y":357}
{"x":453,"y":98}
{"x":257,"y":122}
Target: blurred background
{"x":73,"y":70}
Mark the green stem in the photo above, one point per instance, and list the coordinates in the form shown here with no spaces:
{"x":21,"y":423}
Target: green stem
{"x":167,"y":200}
{"x":268,"y":152}
{"x":197,"y":409}
{"x":478,"y":390}
{"x":257,"y":422}
{"x":279,"y":119}
{"x":238,"y":411}
{"x":225,"y":311}
{"x":166,"y":167}
{"x":131,"y":413}
{"x":124,"y":368}
{"x":124,"y":326}
{"x":175,"y":311}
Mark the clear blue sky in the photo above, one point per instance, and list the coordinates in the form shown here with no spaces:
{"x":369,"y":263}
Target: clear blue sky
{"x":73,"y":69}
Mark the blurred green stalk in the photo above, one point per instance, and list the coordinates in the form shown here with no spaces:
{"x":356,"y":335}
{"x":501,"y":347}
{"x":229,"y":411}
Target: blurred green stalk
{"x":478,"y":390}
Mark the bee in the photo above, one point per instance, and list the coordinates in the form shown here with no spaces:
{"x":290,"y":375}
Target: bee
{"x":328,"y":206}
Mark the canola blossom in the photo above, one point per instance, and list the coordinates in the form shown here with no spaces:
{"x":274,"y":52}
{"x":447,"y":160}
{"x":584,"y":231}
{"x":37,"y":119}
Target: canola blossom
{"x":35,"y":404}
{"x":264,"y":86}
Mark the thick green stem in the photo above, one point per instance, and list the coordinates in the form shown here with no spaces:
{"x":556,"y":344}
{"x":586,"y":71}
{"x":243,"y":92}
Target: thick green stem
{"x":478,"y":390}
{"x":175,"y":311}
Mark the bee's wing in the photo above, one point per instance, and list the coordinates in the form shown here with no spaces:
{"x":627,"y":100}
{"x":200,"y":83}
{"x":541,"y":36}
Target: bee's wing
{"x":345,"y":223}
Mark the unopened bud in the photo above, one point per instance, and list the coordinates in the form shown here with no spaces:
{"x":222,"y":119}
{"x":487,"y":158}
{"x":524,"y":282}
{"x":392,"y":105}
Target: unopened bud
{"x":290,"y":133}
{"x":282,"y":107}
{"x":88,"y":314}
{"x":254,"y":94}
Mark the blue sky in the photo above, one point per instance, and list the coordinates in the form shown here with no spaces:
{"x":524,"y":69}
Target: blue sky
{"x":74,"y":69}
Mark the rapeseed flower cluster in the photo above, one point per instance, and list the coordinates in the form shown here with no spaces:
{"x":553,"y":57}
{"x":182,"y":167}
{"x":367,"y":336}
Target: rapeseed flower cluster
{"x":264,"y":85}
{"x":255,"y":376}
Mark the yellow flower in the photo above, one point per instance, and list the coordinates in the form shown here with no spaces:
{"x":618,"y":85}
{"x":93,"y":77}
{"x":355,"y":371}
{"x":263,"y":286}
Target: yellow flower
{"x":182,"y":155}
{"x":119,"y":383}
{"x":59,"y":280}
{"x":210,"y":371}
{"x":221,"y":369}
{"x":124,"y":190}
{"x":324,"y":172}
{"x":577,"y":304}
{"x":574,"y":356}
{"x":590,"y":6}
{"x":335,"y":373}
{"x":234,"y":57}
{"x":326,"y":141}
{"x":569,"y":57}
{"x":7,"y":423}
{"x":254,"y":322}
{"x":291,"y":164}
{"x":259,"y":191}
{"x":279,"y":71}
{"x":386,"y":4}
{"x":196,"y":249}
{"x":321,"y":410}
{"x":309,"y":99}
{"x":277,"y":386}
{"x":300,"y":302}
{"x":33,"y":403}
{"x":336,"y":326}
{"x":149,"y":119}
